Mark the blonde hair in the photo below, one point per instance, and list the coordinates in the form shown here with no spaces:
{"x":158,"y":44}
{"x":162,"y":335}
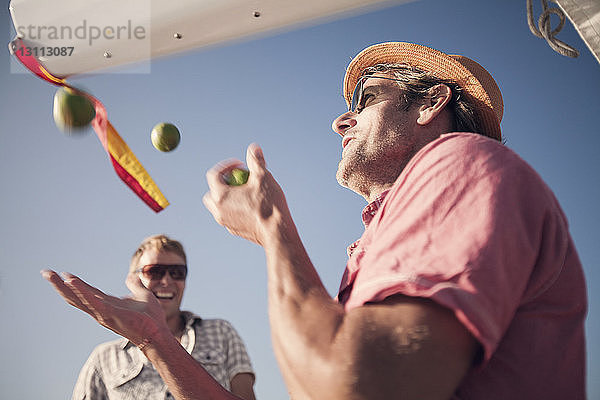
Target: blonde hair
{"x":159,"y":242}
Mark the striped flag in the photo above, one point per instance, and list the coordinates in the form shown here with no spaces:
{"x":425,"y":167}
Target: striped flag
{"x":125,"y":163}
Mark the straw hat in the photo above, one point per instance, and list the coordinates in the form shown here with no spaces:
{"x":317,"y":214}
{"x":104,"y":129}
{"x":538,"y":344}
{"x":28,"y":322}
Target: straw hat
{"x":477,"y":84}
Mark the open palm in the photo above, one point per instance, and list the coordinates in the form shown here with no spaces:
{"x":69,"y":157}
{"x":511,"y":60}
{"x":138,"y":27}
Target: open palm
{"x":136,"y":317}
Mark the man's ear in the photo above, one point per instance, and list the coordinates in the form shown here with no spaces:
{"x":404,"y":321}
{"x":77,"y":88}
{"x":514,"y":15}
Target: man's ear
{"x":435,"y":101}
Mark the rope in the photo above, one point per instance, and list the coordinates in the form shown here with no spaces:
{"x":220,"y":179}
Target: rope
{"x":544,"y":28}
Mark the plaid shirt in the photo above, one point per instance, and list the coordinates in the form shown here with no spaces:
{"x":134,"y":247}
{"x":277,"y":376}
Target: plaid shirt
{"x":118,"y":370}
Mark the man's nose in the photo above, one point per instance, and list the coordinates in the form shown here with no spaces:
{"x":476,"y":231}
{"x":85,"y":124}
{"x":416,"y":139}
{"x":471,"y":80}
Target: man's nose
{"x":344,"y":122}
{"x":166,"y":279}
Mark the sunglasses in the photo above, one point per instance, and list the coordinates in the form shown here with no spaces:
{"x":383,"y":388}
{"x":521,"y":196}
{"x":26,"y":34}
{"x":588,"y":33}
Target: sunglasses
{"x":157,"y":271}
{"x":357,"y":95}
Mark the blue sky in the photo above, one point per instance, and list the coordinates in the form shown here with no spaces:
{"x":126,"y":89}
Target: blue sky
{"x":63,"y":207}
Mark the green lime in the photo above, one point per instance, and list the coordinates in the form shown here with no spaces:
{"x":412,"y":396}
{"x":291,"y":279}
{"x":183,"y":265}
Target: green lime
{"x":72,"y":111}
{"x":165,"y":137}
{"x":237,"y":177}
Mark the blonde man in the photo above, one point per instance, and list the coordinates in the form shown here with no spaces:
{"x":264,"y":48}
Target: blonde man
{"x":118,"y":370}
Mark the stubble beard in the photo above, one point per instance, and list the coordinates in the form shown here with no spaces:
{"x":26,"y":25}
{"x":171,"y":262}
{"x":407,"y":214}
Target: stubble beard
{"x":362,"y":172}
{"x":357,"y":173}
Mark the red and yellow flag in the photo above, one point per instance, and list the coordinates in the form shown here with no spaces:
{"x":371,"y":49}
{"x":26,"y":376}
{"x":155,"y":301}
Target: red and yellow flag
{"x":125,"y":163}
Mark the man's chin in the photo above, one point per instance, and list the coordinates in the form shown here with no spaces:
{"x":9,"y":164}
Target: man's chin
{"x":344,"y":175}
{"x":341,"y":178}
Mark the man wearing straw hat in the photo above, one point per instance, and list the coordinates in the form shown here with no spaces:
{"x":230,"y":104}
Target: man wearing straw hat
{"x":464,"y":285}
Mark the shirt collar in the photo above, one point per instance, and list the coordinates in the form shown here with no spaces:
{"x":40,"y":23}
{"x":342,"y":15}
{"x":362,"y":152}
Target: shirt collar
{"x":371,"y":209}
{"x":367,"y":216}
{"x":190,"y":318}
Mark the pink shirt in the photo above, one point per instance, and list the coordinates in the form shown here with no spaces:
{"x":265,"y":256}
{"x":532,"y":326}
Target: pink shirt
{"x":471,"y":226}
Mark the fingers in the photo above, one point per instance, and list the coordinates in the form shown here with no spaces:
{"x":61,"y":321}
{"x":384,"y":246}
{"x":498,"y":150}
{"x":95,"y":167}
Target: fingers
{"x":119,"y":315}
{"x":62,"y":289}
{"x":65,"y":290}
{"x":214,"y":176}
{"x":209,"y":203}
{"x":134,"y":283}
{"x":80,"y":287}
{"x":255,"y":158}
{"x":96,"y":302}
{"x":213,"y":208}
{"x":107,"y":310}
{"x":216,"y":199}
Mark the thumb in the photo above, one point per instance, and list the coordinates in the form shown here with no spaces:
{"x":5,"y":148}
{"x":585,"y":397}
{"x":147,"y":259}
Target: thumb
{"x":134,"y":284}
{"x":255,"y":160}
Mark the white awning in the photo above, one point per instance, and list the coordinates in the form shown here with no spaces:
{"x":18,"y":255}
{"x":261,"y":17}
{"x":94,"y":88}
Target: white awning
{"x":71,"y":37}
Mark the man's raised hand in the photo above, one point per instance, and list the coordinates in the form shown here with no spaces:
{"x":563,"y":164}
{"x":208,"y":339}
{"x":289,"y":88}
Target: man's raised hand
{"x":136,"y":317}
{"x":245,"y":210}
